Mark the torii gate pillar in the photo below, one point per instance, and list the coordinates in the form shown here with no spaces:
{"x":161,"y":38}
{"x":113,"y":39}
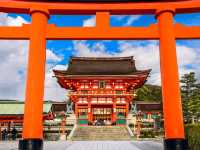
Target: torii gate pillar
{"x":172,"y":109}
{"x":33,"y":115}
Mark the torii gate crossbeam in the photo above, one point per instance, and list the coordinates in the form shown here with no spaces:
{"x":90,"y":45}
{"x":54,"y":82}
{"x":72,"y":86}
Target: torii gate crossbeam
{"x":39,"y":31}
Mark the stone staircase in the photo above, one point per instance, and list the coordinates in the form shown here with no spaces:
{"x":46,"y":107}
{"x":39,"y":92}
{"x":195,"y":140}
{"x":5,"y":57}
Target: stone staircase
{"x":100,"y":133}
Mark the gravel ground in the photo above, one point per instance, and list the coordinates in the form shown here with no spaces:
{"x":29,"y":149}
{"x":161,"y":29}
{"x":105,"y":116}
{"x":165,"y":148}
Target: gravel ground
{"x":92,"y":145}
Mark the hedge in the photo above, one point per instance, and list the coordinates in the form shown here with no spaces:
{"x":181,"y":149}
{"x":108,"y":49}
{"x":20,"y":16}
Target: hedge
{"x":147,"y":134}
{"x":192,"y":134}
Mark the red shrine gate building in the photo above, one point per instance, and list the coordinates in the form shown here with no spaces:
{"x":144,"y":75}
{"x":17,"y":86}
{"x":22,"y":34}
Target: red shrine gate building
{"x":101,"y":88}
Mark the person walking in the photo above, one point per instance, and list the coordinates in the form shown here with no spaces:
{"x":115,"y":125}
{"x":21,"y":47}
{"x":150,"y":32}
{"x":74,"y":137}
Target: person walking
{"x":4,"y":134}
{"x":14,"y":133}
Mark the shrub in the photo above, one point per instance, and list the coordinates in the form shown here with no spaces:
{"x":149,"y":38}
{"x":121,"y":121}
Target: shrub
{"x":192,"y":133}
{"x":147,"y":134}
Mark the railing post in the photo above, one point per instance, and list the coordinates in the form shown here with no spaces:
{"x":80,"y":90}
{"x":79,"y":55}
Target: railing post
{"x":172,"y":109}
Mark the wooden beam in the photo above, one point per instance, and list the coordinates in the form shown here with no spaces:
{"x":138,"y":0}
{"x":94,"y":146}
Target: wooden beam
{"x":187,"y":32}
{"x":119,"y":33}
{"x":11,"y":120}
{"x":97,"y":33}
{"x":103,"y":20}
{"x":17,"y":6}
{"x":15,"y":33}
{"x":113,"y":33}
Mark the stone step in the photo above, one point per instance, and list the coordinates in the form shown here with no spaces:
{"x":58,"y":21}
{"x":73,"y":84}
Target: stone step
{"x":101,"y":133}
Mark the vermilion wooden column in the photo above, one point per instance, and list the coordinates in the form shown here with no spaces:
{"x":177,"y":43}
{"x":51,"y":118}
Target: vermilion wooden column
{"x":114,"y":119}
{"x":76,"y":111}
{"x":89,"y":110}
{"x":172,"y":109}
{"x":33,"y":113}
{"x":127,"y":108}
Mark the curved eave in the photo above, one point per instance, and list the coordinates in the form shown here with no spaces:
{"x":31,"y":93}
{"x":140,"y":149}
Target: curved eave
{"x":141,"y":75}
{"x":145,"y":79}
{"x":62,"y":74}
{"x":103,"y":58}
{"x":59,"y":74}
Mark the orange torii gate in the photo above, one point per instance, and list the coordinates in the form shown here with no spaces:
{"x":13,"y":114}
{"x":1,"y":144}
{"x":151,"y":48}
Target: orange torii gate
{"x":39,"y":31}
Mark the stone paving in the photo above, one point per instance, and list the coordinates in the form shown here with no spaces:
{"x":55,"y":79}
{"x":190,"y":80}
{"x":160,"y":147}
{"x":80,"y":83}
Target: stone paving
{"x":92,"y":145}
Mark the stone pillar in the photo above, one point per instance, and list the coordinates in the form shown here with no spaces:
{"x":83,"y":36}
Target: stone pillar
{"x":33,"y":112}
{"x":63,"y":127}
{"x":172,"y":109}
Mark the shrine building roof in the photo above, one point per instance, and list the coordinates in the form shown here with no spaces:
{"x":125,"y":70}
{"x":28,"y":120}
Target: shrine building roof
{"x":148,"y":106}
{"x":101,"y":66}
{"x":14,"y":107}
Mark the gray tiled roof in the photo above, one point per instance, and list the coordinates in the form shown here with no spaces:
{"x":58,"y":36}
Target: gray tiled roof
{"x":101,"y":66}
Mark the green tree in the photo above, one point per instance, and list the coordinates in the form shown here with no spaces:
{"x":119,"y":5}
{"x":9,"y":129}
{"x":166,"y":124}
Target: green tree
{"x":149,"y":93}
{"x":190,"y":92}
{"x":188,"y":86}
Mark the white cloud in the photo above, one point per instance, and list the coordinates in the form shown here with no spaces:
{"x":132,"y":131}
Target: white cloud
{"x":186,"y":55}
{"x":13,"y":56}
{"x":131,"y":19}
{"x":83,"y":49}
{"x":146,"y":56}
{"x":53,"y":91}
{"x":127,"y":20}
{"x":6,"y":20}
{"x":91,"y":22}
{"x":52,"y":56}
{"x":13,"y":64}
{"x":12,"y":67}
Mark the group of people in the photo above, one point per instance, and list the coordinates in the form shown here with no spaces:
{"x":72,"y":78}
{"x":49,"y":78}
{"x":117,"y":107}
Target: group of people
{"x":6,"y":135}
{"x":101,"y":122}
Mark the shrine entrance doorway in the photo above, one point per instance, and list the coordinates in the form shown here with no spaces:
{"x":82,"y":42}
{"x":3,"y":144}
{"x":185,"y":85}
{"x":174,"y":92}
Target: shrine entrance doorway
{"x":102,"y":114}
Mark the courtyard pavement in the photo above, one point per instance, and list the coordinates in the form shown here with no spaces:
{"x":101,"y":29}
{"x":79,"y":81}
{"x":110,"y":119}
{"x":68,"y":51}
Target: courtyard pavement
{"x":92,"y":145}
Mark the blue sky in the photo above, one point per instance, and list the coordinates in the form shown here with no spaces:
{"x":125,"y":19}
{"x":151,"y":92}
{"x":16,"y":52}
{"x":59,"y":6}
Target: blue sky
{"x":13,"y":54}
